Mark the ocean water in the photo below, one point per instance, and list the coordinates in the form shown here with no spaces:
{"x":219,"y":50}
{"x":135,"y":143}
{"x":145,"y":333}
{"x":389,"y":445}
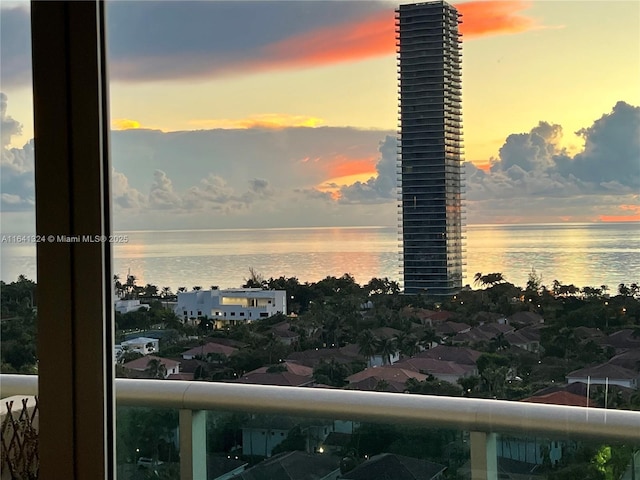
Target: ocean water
{"x":582,"y":254}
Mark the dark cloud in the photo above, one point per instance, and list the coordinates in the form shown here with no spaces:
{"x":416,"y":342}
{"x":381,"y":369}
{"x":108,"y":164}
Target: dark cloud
{"x":172,"y":40}
{"x":611,"y":152}
{"x":305,"y":155}
{"x":381,"y":188}
{"x":533,"y":164}
{"x":15,"y":46}
{"x":531,"y":151}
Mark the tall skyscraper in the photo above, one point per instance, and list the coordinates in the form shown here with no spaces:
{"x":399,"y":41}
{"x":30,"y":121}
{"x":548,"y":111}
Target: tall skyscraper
{"x":430,"y":147}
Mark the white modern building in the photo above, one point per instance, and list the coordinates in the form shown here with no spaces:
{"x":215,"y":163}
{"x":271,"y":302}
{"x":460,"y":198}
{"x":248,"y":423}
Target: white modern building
{"x":143,"y":345}
{"x":232,"y":306}
{"x":126,"y":306}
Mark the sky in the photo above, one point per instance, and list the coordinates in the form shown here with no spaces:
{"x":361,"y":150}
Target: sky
{"x":284,"y":114}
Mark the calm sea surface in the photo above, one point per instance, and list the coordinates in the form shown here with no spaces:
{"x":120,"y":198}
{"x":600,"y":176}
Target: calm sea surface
{"x":582,"y":254}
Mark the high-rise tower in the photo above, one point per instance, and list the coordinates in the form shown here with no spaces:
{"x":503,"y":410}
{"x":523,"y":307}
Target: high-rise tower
{"x":430,"y":147}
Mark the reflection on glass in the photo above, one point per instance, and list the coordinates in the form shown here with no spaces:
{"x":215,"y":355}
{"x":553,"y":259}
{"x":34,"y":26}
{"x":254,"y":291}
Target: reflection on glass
{"x":147,"y":443}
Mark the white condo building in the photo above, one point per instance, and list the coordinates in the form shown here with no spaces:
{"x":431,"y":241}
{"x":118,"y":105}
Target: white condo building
{"x":232,"y":306}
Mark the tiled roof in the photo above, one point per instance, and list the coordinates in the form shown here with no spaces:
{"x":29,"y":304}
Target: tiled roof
{"x":312,"y":357}
{"x":292,"y":466}
{"x":559,"y":398}
{"x":284,"y":379}
{"x":605,"y":370}
{"x":451,"y":327}
{"x":622,"y":339}
{"x":386,"y":373}
{"x":629,"y":359}
{"x":463,"y":355}
{"x":388,"y":466}
{"x":385,"y":332}
{"x":292,"y":367}
{"x":210,"y":347}
{"x":372,"y":384}
{"x":143,"y":362}
{"x":434,"y":366}
{"x":525,"y":318}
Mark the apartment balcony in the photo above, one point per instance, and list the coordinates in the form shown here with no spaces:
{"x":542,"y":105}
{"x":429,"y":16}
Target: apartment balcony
{"x":477,"y":430}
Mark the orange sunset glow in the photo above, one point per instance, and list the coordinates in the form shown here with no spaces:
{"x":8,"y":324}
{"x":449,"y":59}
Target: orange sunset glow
{"x":491,"y":17}
{"x":124,"y":124}
{"x":634,"y":216}
{"x":374,"y":36}
{"x":266,"y":120}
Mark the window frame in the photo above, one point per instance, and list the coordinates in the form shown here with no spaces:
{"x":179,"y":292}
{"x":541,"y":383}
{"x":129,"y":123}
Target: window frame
{"x":73,"y":197}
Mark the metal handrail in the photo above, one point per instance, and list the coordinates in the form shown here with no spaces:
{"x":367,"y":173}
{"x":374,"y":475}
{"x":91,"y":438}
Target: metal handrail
{"x":471,"y":414}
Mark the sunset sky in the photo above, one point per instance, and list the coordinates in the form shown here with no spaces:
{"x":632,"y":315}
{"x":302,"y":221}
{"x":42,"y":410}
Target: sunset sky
{"x":276,"y":114}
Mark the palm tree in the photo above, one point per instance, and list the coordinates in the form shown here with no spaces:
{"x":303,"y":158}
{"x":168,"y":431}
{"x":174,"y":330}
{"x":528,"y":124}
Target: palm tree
{"x":130,"y":286}
{"x":117,"y":286}
{"x":150,"y":290}
{"x":386,"y":348}
{"x":156,"y":369}
{"x":623,"y":290}
{"x":367,"y":342}
{"x":428,"y":338}
{"x":408,"y":344}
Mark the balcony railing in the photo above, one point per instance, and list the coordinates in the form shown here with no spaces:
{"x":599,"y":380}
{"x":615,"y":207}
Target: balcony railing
{"x":483,"y":418}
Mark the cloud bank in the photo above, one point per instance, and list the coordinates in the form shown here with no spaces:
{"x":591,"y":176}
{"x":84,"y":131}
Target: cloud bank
{"x":266,"y":177}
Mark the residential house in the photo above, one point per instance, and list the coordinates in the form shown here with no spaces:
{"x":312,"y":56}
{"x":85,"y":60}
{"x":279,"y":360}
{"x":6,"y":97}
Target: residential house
{"x":263,"y":433}
{"x":629,"y":359}
{"x":559,"y":398}
{"x":606,"y":374}
{"x":289,"y":374}
{"x":282,"y":333}
{"x":126,"y":306}
{"x":385,"y":378}
{"x":231,"y":306}
{"x":527,"y":338}
{"x":441,"y":369}
{"x":209,"y":348}
{"x":139,"y":366}
{"x":312,"y":357}
{"x":621,"y":341}
{"x":143,"y":345}
{"x":525,"y":318}
{"x":461,"y":355}
{"x":451,"y":329}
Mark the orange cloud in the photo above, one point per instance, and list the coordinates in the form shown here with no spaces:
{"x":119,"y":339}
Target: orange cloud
{"x":481,"y":19}
{"x":633,"y":217}
{"x":267,"y":120}
{"x":343,"y":166}
{"x":124,"y":124}
{"x":370,"y":37}
{"x":343,"y":170}
{"x":374,"y":35}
